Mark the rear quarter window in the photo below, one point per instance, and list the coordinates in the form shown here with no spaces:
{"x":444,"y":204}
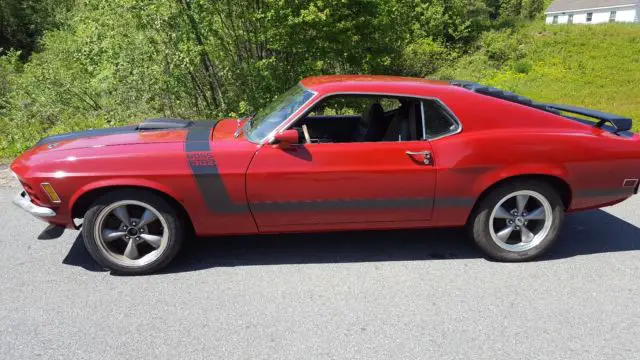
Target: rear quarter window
{"x":438,"y":121}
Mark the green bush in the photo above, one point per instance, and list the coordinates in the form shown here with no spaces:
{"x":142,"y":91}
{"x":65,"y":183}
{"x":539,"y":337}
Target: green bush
{"x":424,"y":57}
{"x":502,"y":46}
{"x":522,"y":67}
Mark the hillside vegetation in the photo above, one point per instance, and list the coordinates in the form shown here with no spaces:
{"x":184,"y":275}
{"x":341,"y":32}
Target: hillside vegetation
{"x":68,"y":65}
{"x":591,"y":66}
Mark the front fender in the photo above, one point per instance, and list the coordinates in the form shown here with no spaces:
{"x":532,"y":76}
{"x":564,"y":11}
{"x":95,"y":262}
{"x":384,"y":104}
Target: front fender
{"x":123,"y":182}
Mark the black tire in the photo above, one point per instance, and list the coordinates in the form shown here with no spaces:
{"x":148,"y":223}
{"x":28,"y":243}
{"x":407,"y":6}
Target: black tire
{"x":479,"y":221}
{"x":174,"y":227}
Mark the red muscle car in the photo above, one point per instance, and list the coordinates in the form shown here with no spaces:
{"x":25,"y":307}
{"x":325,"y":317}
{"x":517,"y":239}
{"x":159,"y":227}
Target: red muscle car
{"x":336,"y":153}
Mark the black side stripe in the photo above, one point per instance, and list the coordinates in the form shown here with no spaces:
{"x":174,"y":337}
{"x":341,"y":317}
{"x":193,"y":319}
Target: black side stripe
{"x":342,"y":204}
{"x":455,"y":202}
{"x":373,"y":204}
{"x":205,"y":170}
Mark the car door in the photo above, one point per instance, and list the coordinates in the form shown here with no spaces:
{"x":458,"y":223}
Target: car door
{"x":339,"y":185}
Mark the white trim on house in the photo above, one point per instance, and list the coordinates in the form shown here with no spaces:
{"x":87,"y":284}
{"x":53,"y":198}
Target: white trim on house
{"x":591,"y":13}
{"x":588,"y":9}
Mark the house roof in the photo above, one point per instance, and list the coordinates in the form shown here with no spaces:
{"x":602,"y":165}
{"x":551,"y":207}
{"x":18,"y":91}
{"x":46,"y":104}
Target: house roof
{"x":568,"y":5}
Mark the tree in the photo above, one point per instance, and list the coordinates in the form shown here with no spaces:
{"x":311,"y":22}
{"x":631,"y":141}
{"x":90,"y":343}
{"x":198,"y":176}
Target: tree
{"x":22,"y":23}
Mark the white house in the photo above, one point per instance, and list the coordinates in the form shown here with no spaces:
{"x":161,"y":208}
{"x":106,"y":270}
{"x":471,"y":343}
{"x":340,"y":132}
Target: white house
{"x":592,"y":11}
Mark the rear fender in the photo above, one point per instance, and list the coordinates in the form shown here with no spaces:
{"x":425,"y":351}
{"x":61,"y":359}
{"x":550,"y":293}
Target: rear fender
{"x":488,"y":179}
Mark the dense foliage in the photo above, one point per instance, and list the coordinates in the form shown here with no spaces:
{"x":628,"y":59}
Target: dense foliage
{"x":71,"y":65}
{"x":23,"y":22}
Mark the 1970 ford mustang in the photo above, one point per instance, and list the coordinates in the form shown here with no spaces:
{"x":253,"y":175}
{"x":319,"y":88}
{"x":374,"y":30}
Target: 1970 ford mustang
{"x":336,"y":153}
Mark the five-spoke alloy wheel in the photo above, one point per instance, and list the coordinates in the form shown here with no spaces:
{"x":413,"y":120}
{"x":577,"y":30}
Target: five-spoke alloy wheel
{"x":521,"y":220}
{"x":517,"y":221}
{"x":132,"y":232}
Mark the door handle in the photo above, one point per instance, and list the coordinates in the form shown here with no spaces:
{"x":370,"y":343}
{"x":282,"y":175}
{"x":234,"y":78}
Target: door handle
{"x":426,"y":156}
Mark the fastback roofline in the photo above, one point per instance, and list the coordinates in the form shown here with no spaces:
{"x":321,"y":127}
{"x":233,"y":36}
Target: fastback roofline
{"x":619,"y":123}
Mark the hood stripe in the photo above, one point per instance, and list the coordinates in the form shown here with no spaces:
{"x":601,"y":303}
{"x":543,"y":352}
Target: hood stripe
{"x":205,"y":171}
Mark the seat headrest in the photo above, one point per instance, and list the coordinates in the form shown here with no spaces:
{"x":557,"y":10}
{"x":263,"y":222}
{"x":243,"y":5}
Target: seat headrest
{"x":371,"y":111}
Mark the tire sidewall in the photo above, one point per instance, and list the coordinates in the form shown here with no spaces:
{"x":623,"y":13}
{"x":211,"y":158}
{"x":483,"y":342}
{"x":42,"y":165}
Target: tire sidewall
{"x":480,"y":221}
{"x":174,"y":228}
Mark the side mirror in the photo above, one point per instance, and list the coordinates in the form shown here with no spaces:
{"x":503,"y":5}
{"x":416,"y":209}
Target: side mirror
{"x":286,"y":138}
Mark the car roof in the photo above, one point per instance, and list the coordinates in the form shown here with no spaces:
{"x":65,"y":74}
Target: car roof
{"x":455,"y":95}
{"x":371,"y":83}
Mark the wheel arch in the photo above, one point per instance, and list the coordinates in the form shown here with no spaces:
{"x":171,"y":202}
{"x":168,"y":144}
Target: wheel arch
{"x":82,"y":200}
{"x":557,"y":182}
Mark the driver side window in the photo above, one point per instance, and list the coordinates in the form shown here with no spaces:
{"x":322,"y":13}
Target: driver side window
{"x":351,"y":105}
{"x":362,"y":118}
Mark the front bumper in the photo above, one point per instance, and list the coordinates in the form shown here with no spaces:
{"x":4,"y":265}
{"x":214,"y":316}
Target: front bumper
{"x":23,"y":201}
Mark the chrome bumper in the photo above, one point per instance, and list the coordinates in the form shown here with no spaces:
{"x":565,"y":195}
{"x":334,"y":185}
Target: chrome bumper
{"x":23,"y":201}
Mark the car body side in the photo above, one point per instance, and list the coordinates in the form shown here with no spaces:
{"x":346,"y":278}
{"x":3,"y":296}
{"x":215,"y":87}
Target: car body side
{"x":210,"y":179}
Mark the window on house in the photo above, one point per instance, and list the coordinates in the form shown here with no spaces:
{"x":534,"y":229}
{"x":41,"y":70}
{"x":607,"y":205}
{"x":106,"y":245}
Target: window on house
{"x":589,"y":17}
{"x":555,"y":20}
{"x":612,"y":16}
{"x":570,"y":20}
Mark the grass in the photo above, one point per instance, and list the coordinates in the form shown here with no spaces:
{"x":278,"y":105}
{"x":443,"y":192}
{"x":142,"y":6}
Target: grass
{"x":594,"y":66}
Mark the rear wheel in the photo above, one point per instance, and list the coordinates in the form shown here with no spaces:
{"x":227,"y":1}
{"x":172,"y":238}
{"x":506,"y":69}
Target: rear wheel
{"x":517,"y":221}
{"x":132,"y":232}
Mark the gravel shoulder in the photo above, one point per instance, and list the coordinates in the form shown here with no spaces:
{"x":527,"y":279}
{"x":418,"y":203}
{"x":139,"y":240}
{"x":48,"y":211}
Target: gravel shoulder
{"x":6,"y":179}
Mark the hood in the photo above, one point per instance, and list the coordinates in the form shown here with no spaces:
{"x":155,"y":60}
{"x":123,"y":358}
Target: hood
{"x":153,"y":131}
{"x":156,"y":138}
{"x":226,"y":129}
{"x":149,"y":131}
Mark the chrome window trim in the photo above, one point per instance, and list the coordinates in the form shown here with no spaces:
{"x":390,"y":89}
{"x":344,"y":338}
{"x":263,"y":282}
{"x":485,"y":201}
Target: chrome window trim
{"x":424,"y":125}
{"x":451,"y":116}
{"x":307,"y":105}
{"x":270,"y":137}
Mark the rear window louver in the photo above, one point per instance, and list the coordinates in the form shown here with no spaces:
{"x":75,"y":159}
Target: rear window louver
{"x":498,"y":93}
{"x":618,"y":123}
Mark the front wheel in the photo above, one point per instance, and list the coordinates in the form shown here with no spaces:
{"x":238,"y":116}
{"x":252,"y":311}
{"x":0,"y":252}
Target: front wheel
{"x":132,"y":232}
{"x":517,"y":221}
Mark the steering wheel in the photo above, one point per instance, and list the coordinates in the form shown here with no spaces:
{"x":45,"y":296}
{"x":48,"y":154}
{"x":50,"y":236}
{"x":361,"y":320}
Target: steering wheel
{"x":305,"y":131}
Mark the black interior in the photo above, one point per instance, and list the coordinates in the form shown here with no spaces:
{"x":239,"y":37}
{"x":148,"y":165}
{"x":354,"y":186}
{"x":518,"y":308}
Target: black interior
{"x":346,"y":128}
{"x":334,"y":128}
{"x":437,"y":123}
{"x":374,"y":124}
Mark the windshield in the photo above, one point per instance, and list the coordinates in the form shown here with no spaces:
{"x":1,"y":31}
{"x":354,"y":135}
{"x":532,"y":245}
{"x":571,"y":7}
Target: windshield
{"x":269,"y":118}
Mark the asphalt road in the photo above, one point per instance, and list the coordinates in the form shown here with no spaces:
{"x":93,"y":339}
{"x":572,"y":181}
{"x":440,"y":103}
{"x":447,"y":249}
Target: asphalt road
{"x":366,"y":295}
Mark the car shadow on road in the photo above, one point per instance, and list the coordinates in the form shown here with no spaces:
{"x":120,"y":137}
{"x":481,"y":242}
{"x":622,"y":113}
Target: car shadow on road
{"x":585,"y":233}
